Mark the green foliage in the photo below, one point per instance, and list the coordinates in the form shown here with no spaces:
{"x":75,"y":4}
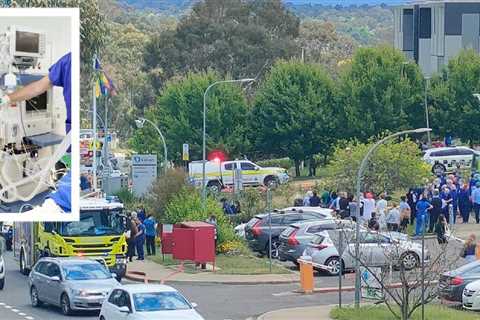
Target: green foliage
{"x":455,"y":110}
{"x":187,"y":206}
{"x":285,"y":163}
{"x":130,"y":202}
{"x":232,"y":37}
{"x":381,"y":91}
{"x":394,"y":166}
{"x":164,"y":189}
{"x":293,"y":114}
{"x":178,"y":113}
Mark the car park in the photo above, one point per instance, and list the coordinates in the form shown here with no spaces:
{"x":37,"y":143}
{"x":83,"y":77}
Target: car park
{"x":2,"y":265}
{"x":376,"y":248}
{"x":71,"y":283}
{"x":257,"y":230}
{"x":448,"y":159}
{"x":297,"y":236}
{"x":147,"y":302}
{"x":453,"y":283}
{"x":471,"y":296}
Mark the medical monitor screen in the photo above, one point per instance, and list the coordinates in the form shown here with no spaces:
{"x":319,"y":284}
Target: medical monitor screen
{"x":27,"y":42}
{"x":38,"y":103}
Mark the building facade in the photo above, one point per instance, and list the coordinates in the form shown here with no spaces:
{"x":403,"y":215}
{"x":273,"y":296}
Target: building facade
{"x":433,"y":32}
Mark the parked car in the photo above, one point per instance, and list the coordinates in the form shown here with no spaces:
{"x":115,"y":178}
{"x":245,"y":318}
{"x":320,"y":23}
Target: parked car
{"x":471,"y":296}
{"x":257,"y":229}
{"x":376,"y":248}
{"x":140,"y":301}
{"x":70,"y":283}
{"x":452,"y":283}
{"x":449,"y":158}
{"x":294,"y":239}
{"x":2,"y":265}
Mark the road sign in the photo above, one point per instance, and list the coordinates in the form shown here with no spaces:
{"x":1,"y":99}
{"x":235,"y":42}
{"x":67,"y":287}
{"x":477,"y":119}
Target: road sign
{"x":185,"y":152}
{"x":144,"y":172}
{"x":371,"y":287}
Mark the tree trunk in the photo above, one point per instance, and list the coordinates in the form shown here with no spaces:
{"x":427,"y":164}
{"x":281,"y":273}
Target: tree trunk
{"x":297,"y":168}
{"x":312,"y":167}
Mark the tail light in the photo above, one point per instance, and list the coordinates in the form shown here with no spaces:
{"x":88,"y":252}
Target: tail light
{"x":292,"y":240}
{"x":456,"y":281}
{"x":320,"y":246}
{"x":256,"y":228}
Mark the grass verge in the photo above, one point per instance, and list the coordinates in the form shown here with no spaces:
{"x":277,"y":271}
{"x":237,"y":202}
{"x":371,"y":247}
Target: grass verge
{"x":432,"y":312}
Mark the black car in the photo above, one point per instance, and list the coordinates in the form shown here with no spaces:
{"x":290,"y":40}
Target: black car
{"x":452,"y":283}
{"x":257,"y":229}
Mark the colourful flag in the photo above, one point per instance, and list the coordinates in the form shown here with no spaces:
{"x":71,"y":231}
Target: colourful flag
{"x":103,"y":85}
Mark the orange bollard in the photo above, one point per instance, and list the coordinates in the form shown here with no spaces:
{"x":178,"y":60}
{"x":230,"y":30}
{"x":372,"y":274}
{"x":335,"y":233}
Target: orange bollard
{"x":306,"y":276}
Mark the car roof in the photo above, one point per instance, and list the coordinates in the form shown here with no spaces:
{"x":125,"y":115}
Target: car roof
{"x":309,"y":209}
{"x":277,"y":213}
{"x":143,"y":288}
{"x":312,"y":222}
{"x":69,"y":260}
{"x":446,"y":148}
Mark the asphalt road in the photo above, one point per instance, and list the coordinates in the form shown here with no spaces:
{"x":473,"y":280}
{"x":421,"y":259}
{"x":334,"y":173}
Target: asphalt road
{"x":216,"y":302}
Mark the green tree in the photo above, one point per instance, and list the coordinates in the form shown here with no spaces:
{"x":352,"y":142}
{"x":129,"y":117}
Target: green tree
{"x":381,"y":91}
{"x":293,"y":114}
{"x":454,"y":110}
{"x":394,"y":166}
{"x":178,"y":113}
{"x":232,"y":37}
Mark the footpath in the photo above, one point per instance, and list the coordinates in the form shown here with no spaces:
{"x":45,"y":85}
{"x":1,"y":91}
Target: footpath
{"x":305,"y":313}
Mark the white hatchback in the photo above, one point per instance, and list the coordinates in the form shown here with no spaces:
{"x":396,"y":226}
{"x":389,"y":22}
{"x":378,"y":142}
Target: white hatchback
{"x":449,"y":158}
{"x":471,"y":296}
{"x":2,"y":264}
{"x":147,"y":301}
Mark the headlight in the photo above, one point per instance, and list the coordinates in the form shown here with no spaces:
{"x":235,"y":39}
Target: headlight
{"x":79,"y":293}
{"x":121,"y":261}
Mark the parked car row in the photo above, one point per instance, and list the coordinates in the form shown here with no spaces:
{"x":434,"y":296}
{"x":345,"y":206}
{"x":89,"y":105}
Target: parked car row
{"x":75,"y":284}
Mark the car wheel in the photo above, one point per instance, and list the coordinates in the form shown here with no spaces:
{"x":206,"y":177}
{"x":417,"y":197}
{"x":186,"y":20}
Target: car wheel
{"x":215,"y":187}
{"x":65,"y":305}
{"x":438,"y":169}
{"x":409,"y":260}
{"x":34,"y":298}
{"x":102,"y":318}
{"x":23,"y":264}
{"x":271,"y":182}
{"x":275,"y":251}
{"x":334,"y":264}
{"x":2,"y":283}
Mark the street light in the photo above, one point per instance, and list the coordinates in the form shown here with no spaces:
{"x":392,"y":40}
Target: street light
{"x":140,"y":122}
{"x":204,"y":147}
{"x":359,"y":183}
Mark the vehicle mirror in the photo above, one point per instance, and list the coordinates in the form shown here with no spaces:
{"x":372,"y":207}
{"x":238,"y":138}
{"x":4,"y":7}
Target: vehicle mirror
{"x":124,"y":309}
{"x":194,"y":305}
{"x":55,"y":278}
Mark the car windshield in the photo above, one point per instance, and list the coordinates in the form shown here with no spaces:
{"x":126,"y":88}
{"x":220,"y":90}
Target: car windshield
{"x":85,"y":271}
{"x":159,"y":301}
{"x":94,"y":223}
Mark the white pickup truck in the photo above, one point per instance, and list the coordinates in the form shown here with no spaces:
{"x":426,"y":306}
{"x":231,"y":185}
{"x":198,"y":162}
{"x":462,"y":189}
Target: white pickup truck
{"x":221,"y":174}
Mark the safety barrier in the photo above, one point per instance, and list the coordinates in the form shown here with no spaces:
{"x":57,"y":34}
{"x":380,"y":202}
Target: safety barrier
{"x":307,"y":282}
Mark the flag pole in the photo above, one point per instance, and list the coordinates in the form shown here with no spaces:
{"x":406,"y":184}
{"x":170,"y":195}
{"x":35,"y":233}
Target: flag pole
{"x":94,"y":129}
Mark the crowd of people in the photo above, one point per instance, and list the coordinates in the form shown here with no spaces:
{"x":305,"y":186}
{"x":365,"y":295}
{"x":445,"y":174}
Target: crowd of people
{"x":448,"y":199}
{"x":141,"y":232}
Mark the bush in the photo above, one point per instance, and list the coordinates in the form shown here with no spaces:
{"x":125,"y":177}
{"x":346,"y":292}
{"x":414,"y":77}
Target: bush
{"x":130,"y":202}
{"x":285,"y":163}
{"x":164,"y":189}
{"x":233,"y":248}
{"x":187,"y":206}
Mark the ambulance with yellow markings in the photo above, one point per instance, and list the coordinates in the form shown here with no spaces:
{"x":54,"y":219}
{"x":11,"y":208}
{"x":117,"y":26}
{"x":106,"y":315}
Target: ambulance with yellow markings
{"x":222,"y":174}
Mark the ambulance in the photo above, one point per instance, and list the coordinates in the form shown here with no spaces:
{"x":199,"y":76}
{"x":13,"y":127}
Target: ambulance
{"x":221,"y":174}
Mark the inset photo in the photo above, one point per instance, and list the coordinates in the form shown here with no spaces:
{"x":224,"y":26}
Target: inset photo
{"x":39,"y":114}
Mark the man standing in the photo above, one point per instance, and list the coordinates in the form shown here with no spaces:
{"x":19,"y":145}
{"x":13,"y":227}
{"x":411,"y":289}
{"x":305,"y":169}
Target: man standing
{"x":436,"y":210}
{"x":150,"y":233}
{"x":422,"y":207}
{"x":140,"y":239}
{"x":476,"y":201}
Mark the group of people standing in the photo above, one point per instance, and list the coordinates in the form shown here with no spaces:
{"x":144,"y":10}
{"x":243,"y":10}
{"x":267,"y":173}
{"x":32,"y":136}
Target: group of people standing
{"x":141,"y":232}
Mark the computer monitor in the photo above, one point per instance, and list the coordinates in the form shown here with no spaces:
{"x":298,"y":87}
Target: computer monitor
{"x":26,"y":42}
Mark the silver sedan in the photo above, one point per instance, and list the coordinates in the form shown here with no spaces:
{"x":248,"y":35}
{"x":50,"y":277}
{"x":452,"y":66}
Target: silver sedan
{"x":72,"y":284}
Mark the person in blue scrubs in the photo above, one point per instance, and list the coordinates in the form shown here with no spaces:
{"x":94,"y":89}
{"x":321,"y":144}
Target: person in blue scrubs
{"x":59,"y":75}
{"x":422,"y":208}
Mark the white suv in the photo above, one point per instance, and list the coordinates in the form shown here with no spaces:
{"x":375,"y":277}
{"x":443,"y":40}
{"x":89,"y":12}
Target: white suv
{"x":449,"y":158}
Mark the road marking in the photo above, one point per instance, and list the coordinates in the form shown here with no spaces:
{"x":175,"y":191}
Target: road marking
{"x":284,"y":294}
{"x":7,"y":307}
{"x":22,"y":314}
{"x":15,"y":310}
{"x":29,"y":318}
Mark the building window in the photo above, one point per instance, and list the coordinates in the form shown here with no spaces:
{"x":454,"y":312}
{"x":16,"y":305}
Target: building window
{"x":425,"y":23}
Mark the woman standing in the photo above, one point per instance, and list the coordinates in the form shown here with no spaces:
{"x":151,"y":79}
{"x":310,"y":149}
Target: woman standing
{"x":131,"y":233}
{"x":441,"y":229}
{"x":469,"y":249}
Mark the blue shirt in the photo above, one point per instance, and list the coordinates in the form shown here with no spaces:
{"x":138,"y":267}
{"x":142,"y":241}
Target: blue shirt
{"x":422,"y":207}
{"x":60,"y":76}
{"x":476,"y":196}
{"x":141,"y":237}
{"x":63,"y":195}
{"x":150,"y":227}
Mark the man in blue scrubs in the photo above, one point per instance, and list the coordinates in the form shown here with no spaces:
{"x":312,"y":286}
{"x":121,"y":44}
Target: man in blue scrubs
{"x":59,"y":75}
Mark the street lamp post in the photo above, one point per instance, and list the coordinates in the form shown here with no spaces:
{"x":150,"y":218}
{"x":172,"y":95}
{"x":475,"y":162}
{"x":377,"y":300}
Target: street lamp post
{"x":140,"y":123}
{"x":429,"y":139}
{"x":363,"y":165}
{"x":204,"y":148}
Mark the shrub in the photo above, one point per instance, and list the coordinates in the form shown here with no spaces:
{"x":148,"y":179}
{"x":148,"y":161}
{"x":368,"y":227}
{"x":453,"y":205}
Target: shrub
{"x":128,"y":199}
{"x":164,"y":189}
{"x":187,"y":206}
{"x":285,"y":163}
{"x":233,"y":248}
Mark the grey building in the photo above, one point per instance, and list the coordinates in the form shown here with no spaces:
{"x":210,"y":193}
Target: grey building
{"x":432,"y":32}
